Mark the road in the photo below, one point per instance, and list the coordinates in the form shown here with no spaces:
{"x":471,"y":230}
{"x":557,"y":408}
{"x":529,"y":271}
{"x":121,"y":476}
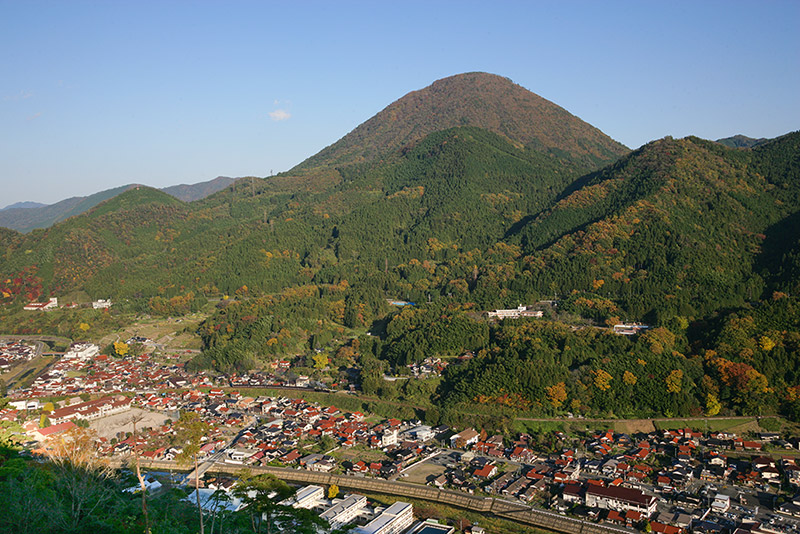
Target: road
{"x":593,"y":420}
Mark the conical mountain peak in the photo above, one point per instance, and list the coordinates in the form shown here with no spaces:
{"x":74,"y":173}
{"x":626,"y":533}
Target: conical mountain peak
{"x":475,"y":99}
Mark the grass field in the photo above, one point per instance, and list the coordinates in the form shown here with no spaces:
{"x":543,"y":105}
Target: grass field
{"x":579,"y":425}
{"x":173,"y":333}
{"x":736,"y":424}
{"x":359,"y":452}
{"x":419,"y":473}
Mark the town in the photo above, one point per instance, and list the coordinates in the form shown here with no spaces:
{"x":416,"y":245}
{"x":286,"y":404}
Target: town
{"x":671,"y":480}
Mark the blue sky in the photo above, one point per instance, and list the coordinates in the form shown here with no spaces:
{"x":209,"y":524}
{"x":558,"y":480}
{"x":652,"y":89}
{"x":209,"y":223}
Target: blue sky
{"x":99,"y":94}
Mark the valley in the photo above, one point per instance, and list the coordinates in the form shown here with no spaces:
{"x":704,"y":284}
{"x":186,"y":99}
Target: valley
{"x":473,"y":290}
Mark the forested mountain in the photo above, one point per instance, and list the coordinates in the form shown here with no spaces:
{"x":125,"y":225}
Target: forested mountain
{"x":676,"y":227}
{"x":27,"y":216}
{"x":26,"y":204}
{"x":465,"y":196}
{"x":192,"y":192}
{"x":741,"y":141}
{"x":475,"y":99}
{"x":25,"y":219}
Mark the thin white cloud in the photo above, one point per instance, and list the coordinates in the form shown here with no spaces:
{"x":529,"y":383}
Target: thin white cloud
{"x":35,"y":116}
{"x":22,"y":95}
{"x":279,"y":115}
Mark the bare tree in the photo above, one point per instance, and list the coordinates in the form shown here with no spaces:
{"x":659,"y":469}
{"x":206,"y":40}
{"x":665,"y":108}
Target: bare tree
{"x":134,"y":420}
{"x":84,"y":477}
{"x":189,"y":431}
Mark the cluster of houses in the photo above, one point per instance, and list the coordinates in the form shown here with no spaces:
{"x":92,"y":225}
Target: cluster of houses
{"x":84,"y":370}
{"x":485,"y":467}
{"x":276,"y":431}
{"x":619,"y":474}
{"x":12,"y":353}
{"x":286,"y":425}
{"x":157,"y":443}
{"x":614,"y":476}
{"x":430,"y":366}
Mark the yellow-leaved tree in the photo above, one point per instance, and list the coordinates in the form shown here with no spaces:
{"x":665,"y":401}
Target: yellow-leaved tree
{"x":333,"y":491}
{"x":629,"y":378}
{"x":602,"y":379}
{"x":121,"y":348}
{"x":713,"y":405}
{"x":320,"y":360}
{"x":557,"y":394}
{"x":674,"y":381}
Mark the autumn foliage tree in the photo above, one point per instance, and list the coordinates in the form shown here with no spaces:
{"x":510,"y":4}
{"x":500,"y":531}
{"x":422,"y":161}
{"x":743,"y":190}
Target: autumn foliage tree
{"x":557,"y":394}
{"x":602,"y":379}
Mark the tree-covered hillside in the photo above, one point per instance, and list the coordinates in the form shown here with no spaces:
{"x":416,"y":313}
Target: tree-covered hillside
{"x":475,"y":99}
{"x":687,"y":235}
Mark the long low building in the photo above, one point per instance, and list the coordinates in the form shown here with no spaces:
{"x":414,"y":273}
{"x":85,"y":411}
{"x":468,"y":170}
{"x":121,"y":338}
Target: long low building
{"x":344,"y":512}
{"x":395,"y":519}
{"x":92,"y":409}
{"x":520,"y":311}
{"x":619,"y":498}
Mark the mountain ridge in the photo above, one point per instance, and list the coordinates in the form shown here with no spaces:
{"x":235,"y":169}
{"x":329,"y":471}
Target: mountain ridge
{"x":742,"y":141}
{"x":23,"y":205}
{"x":32,"y":215}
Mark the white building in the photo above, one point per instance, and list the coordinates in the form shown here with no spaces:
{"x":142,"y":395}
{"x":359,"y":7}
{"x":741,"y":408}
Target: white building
{"x":520,"y":311}
{"x":722,"y":503}
{"x":240,"y":454}
{"x":307,"y":497}
{"x":421,"y":433}
{"x":625,"y":329}
{"x":101,"y":304}
{"x":395,"y":519}
{"x":344,"y":511}
{"x":41,"y":306}
{"x":620,"y":499}
{"x":82,"y":351}
{"x":389,"y":438}
{"x":28,"y":404}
